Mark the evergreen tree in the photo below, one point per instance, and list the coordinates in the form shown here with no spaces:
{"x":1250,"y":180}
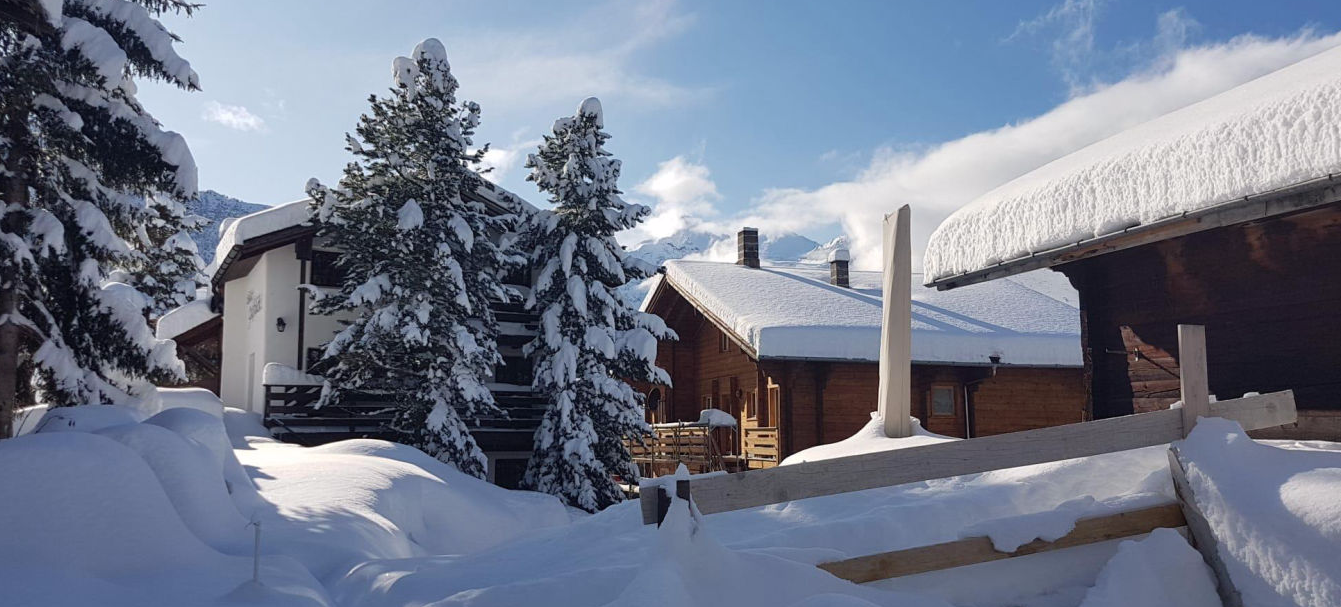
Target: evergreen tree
{"x":77,"y":155}
{"x":420,"y":264}
{"x":168,"y":267}
{"x":591,"y":341}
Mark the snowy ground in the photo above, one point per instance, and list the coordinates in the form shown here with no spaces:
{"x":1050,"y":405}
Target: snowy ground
{"x":117,"y":509}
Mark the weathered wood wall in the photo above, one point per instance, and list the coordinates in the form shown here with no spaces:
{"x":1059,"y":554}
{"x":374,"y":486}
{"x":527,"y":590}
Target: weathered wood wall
{"x":1269,"y":294}
{"x":1014,"y":399}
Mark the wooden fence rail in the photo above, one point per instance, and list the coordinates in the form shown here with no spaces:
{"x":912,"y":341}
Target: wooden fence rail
{"x":974,"y":550}
{"x":872,"y":470}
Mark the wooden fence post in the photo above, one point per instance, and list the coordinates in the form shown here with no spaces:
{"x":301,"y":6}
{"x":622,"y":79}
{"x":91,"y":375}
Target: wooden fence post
{"x":1192,"y":381}
{"x":1200,"y":533}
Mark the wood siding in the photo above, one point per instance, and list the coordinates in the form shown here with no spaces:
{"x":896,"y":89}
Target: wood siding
{"x":818,"y":402}
{"x":1268,"y":293}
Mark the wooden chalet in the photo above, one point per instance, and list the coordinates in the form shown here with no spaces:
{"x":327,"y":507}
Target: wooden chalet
{"x":792,"y":353}
{"x":1249,"y":248}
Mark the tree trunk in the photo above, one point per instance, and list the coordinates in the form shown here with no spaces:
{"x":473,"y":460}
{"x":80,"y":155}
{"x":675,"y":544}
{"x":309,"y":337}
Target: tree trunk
{"x":15,"y":193}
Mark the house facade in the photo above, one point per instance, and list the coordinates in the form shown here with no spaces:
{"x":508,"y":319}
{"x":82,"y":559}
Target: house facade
{"x":792,"y":353}
{"x":268,"y":336}
{"x":1225,"y":214}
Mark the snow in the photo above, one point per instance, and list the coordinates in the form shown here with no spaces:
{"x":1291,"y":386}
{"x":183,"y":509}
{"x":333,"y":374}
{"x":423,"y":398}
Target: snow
{"x":410,"y":216}
{"x":374,"y":524}
{"x":839,"y":255}
{"x":184,"y":318}
{"x":1273,"y":132}
{"x":1161,"y":570}
{"x":171,"y":494}
{"x":260,"y":223}
{"x":591,"y":106}
{"x":1274,"y":513}
{"x":793,"y":312}
{"x":199,"y":399}
{"x":279,"y":374}
{"x":869,"y":439}
{"x":716,"y":418}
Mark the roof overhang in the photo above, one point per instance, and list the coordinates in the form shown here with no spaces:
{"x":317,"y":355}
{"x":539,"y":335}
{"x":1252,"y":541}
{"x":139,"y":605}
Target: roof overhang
{"x":1289,"y":200}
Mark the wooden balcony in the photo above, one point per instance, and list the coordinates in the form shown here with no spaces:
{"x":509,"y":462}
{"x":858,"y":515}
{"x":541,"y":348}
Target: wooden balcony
{"x":292,"y":417}
{"x":761,"y":447}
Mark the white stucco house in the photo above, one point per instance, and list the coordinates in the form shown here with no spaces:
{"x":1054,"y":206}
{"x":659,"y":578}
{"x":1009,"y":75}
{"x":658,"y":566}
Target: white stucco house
{"x":264,"y":337}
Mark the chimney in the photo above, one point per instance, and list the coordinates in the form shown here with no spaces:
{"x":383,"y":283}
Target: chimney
{"x":838,"y":262}
{"x":747,"y":247}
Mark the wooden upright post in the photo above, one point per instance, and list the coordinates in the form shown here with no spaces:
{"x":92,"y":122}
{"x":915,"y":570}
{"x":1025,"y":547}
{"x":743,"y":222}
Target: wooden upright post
{"x":1192,"y":375}
{"x":896,"y":328}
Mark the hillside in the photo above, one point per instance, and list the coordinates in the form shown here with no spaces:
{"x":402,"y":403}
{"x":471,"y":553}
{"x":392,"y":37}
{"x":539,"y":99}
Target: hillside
{"x":216,"y":207}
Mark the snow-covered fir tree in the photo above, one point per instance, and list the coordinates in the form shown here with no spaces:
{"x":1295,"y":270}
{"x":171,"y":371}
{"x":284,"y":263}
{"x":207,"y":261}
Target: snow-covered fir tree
{"x":420,"y":264}
{"x":591,"y":341}
{"x":168,"y":267}
{"x":78,"y":154}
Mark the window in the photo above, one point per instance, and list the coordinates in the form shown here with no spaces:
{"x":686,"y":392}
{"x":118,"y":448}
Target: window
{"x":943,"y":401}
{"x":325,"y":272}
{"x":752,"y":404}
{"x":713,"y":395}
{"x":723,"y":342}
{"x":654,"y":399}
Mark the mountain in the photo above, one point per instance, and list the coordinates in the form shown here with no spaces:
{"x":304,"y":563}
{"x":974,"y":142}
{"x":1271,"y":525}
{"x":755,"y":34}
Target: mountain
{"x":787,"y":247}
{"x":683,"y":243}
{"x":820,"y":254}
{"x":216,"y":207}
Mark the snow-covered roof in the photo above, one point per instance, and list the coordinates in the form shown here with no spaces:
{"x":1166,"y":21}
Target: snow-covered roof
{"x":793,"y":312}
{"x":296,"y":213}
{"x":184,"y":318}
{"x":1274,"y":132}
{"x":260,"y":223}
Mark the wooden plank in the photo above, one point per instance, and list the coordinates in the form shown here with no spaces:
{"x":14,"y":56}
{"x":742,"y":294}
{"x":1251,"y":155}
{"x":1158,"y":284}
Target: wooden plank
{"x":1203,"y":539}
{"x":872,"y":470}
{"x":1192,"y":381}
{"x":976,"y":550}
{"x":1260,"y":411}
{"x":893,"y":399}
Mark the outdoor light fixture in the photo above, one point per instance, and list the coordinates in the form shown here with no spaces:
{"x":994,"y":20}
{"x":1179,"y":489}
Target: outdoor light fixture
{"x":280,"y":324}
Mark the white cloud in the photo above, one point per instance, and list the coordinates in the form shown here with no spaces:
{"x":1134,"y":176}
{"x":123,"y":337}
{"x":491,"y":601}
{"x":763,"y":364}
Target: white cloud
{"x":939,"y":179}
{"x":682,"y":194}
{"x":1073,"y":47}
{"x":502,"y":160}
{"x":232,"y":116}
{"x":565,"y":62}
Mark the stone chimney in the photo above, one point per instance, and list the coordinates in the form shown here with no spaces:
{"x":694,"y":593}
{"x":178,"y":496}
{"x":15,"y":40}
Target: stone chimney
{"x":838,"y":262}
{"x":747,"y":247}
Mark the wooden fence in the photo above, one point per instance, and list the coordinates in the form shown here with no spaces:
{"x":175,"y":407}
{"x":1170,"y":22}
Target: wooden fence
{"x":887,"y":468}
{"x":882,"y":469}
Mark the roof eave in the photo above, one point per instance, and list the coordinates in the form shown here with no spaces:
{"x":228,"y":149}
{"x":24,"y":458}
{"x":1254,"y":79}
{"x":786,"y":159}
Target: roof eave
{"x":1297,"y":198}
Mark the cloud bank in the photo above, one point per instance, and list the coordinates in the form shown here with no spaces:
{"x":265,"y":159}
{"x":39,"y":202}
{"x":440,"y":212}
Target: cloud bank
{"x":938,"y":179}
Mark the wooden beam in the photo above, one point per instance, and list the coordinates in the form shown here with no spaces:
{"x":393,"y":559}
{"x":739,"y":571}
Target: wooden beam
{"x":1199,"y":530}
{"x":896,"y":327}
{"x":974,"y":550}
{"x":1192,"y":379}
{"x":887,"y":468}
{"x":1293,"y":199}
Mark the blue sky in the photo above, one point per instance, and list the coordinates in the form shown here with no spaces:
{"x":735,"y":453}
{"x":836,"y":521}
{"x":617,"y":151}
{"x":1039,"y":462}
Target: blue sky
{"x":805,"y":116}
